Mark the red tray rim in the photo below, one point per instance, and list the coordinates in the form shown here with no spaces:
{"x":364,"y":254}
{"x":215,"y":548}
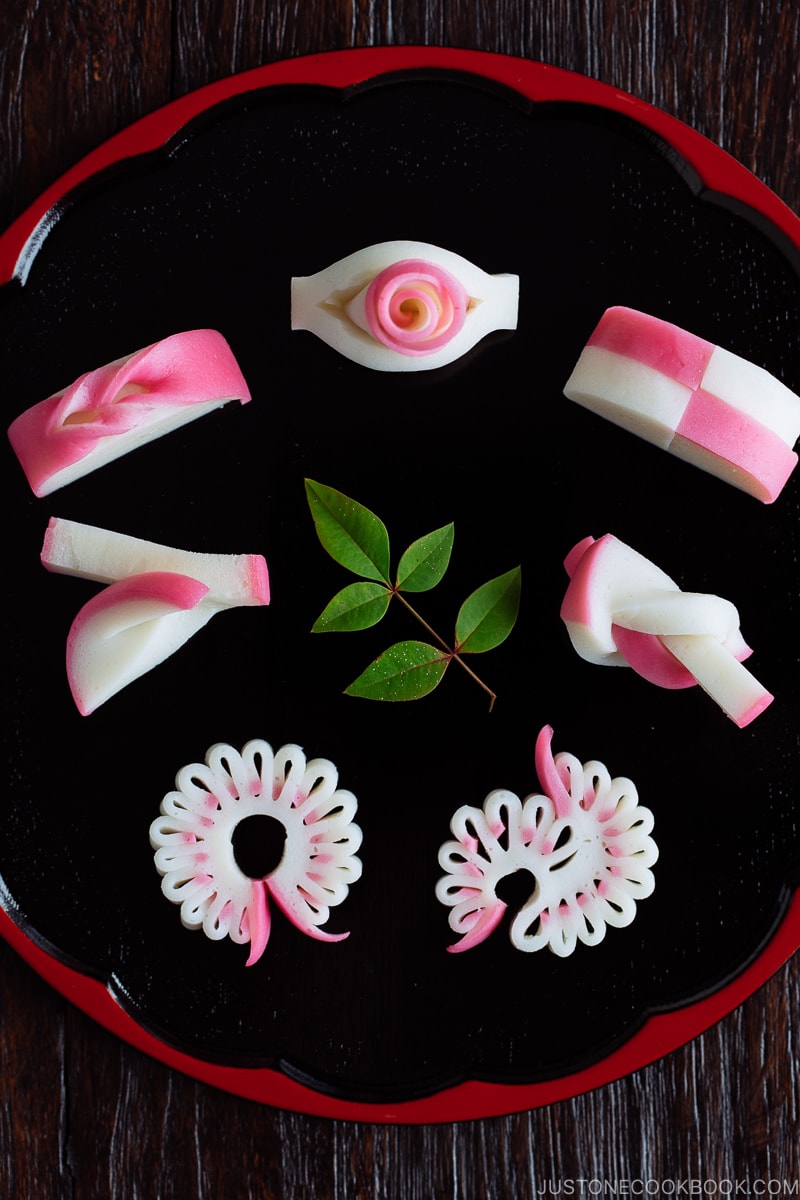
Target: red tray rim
{"x":660,"y":1033}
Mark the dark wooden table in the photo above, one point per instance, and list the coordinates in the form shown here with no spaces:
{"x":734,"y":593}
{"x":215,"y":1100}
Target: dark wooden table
{"x":82,"y":1114}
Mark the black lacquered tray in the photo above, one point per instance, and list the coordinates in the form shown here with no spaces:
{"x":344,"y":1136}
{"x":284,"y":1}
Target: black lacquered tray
{"x":199,"y":218}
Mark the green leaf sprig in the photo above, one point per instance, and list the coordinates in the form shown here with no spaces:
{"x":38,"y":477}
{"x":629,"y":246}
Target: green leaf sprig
{"x":358,"y":540}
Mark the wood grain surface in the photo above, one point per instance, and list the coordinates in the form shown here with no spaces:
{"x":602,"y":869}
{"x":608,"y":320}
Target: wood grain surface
{"x":85,"y":1116}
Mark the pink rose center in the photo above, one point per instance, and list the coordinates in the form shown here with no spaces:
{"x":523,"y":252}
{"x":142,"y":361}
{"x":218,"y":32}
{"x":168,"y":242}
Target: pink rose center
{"x":415,"y":307}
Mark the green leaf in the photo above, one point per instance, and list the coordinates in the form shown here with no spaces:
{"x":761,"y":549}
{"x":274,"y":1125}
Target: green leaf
{"x":406,"y":671}
{"x":358,"y":606}
{"x":425,"y":561}
{"x":486,"y":618}
{"x":351,"y":534}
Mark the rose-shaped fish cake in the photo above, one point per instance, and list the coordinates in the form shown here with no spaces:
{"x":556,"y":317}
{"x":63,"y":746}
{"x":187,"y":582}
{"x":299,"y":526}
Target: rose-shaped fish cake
{"x":415,"y":307}
{"x":404,"y":306}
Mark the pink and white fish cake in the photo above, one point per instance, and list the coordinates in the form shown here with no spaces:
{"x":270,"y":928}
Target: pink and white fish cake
{"x":620,"y":609}
{"x":686,"y":395}
{"x":404,"y":305}
{"x":114,"y":409}
{"x":156,"y":598}
{"x":194,"y":843}
{"x":585,"y":843}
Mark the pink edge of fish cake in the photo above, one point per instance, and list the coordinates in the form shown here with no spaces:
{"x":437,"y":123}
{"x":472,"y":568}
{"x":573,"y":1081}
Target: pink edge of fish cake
{"x":580,"y":564}
{"x":712,"y":433}
{"x":124,"y":403}
{"x":658,"y":344}
{"x":647,"y":655}
{"x":286,"y":900}
{"x":173,"y":593}
{"x":259,"y":578}
{"x":487,"y":922}
{"x":743,"y":717}
{"x":260,"y":921}
{"x":49,"y":541}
